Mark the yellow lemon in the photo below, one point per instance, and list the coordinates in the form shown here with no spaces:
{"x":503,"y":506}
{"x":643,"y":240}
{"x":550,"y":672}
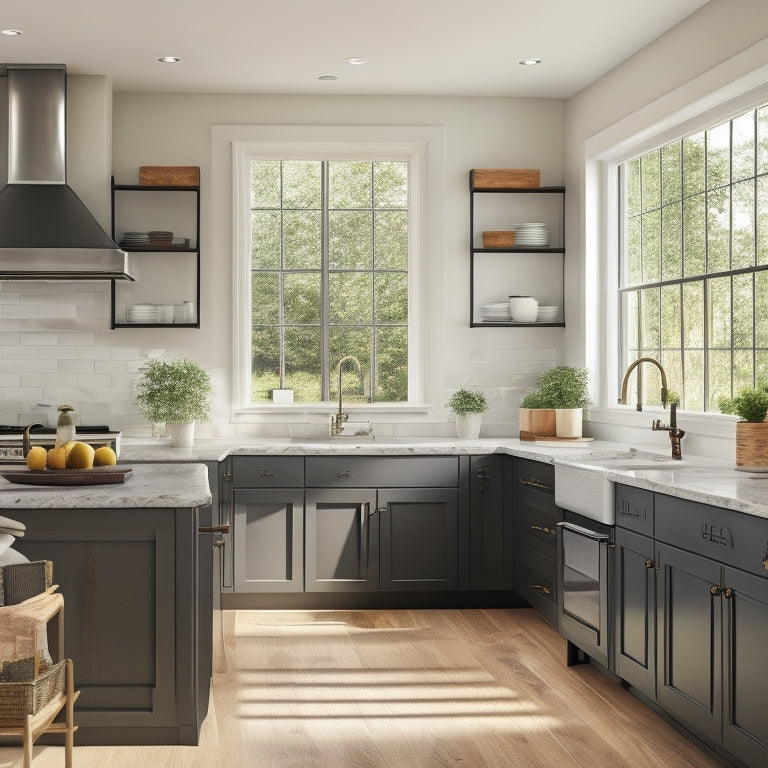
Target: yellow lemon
{"x":57,"y":458}
{"x":104,"y":457}
{"x":79,"y":455}
{"x":36,"y":458}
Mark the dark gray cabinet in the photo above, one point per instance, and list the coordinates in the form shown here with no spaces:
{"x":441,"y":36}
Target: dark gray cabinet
{"x":712,"y":623}
{"x":491,"y":536}
{"x":268,"y":523}
{"x":635,"y":589}
{"x":137,"y":586}
{"x":386,"y":523}
{"x":635,"y":611}
{"x":690,"y":639}
{"x":418,"y":539}
{"x":342,"y":540}
{"x":536,"y":519}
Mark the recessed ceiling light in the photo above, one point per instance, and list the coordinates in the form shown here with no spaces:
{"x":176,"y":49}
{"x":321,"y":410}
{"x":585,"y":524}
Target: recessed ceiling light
{"x":327,"y":77}
{"x":11,"y":32}
{"x":169,"y":59}
{"x":356,"y":60}
{"x":529,"y":62}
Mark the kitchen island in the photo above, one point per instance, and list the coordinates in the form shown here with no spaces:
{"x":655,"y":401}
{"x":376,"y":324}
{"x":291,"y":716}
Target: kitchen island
{"x":136,"y":580}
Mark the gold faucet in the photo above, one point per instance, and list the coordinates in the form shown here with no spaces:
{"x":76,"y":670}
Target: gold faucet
{"x":337,"y":425}
{"x":664,"y":390}
{"x":675,"y":433}
{"x":26,"y":439}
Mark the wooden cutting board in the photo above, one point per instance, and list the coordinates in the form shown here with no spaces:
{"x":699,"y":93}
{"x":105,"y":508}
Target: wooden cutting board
{"x":94,"y":476}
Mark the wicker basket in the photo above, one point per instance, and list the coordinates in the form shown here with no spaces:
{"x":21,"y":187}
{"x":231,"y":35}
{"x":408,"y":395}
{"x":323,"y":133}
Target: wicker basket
{"x":752,"y":444}
{"x":17,"y":700}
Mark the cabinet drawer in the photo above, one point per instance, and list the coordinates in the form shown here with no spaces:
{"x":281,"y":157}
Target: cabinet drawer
{"x":382,"y":471}
{"x":725,"y":535}
{"x":267,"y":472}
{"x":535,"y":477}
{"x":634,"y":509}
{"x":535,"y":577}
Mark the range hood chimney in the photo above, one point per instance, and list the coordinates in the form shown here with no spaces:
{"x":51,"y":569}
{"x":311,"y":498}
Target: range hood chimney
{"x":46,"y":232}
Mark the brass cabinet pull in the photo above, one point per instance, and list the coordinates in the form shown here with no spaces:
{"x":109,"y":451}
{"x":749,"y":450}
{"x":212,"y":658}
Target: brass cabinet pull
{"x":345,"y":473}
{"x":213,"y":529}
{"x":715,"y":590}
{"x":649,"y":563}
{"x":542,"y":588}
{"x":264,"y":472}
{"x":535,"y":484}
{"x":544,"y":529}
{"x":728,"y":592}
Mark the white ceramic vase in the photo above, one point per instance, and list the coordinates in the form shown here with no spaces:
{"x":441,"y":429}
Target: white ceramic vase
{"x":468,"y":425}
{"x":182,"y":435}
{"x":568,"y":422}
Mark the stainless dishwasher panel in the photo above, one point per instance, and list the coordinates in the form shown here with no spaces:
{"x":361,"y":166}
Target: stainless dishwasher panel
{"x":583,"y":588}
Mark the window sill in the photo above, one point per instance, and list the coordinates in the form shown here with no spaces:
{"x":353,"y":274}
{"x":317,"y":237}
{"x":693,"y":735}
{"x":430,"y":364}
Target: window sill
{"x":716,"y":425}
{"x":326,"y":408}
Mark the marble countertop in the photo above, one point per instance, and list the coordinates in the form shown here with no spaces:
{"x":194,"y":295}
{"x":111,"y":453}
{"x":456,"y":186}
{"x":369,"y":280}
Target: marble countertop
{"x":146,"y":486}
{"x":701,"y":479}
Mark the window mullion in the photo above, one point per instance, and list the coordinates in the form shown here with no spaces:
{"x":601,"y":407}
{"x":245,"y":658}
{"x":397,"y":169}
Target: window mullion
{"x":325,"y":312}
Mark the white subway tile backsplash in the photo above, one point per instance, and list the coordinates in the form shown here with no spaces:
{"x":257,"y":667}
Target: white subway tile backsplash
{"x":76,"y":365}
{"x":9,"y":380}
{"x":37,"y":366}
{"x":59,"y":352}
{"x":20,"y":353}
{"x":38,"y":338}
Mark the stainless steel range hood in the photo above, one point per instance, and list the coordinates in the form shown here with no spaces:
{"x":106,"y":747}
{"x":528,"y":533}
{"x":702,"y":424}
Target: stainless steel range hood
{"x":46,"y":232}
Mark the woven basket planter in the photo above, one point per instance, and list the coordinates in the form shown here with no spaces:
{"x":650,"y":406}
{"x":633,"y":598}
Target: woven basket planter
{"x":751,"y":444}
{"x":17,"y":700}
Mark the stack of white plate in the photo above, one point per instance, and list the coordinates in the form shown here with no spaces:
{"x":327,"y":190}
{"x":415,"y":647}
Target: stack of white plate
{"x":495,"y":312}
{"x":533,"y":235}
{"x":547,"y":314}
{"x":142,"y":313}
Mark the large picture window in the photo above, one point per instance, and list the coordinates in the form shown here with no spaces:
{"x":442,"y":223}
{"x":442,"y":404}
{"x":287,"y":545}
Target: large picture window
{"x":329,"y":245}
{"x":693,"y":276}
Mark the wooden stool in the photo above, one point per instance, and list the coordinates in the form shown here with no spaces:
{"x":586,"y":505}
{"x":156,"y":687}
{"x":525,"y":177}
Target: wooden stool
{"x":35,"y":687}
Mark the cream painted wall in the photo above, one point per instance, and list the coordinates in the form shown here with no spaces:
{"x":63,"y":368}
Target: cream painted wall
{"x":724,"y":45}
{"x":175,"y":129}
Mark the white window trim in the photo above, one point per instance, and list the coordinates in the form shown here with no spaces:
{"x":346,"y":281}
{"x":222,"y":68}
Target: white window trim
{"x":422,"y":146}
{"x":602,"y":154}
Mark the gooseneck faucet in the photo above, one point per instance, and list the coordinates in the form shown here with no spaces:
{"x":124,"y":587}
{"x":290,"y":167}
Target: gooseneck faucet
{"x":675,"y":433}
{"x":664,"y":390}
{"x":337,"y":427}
{"x":26,"y":440}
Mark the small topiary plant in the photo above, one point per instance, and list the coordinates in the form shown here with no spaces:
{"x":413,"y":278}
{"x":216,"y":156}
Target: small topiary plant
{"x":467,"y":401}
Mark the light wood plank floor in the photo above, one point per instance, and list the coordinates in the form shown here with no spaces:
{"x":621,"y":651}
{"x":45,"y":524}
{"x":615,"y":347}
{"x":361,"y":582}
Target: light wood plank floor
{"x":404,"y":689}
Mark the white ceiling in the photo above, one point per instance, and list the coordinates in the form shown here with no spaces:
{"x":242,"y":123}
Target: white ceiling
{"x":413,"y":47}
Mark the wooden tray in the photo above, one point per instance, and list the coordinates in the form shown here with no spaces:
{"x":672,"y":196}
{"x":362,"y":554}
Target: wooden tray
{"x":95,"y":476}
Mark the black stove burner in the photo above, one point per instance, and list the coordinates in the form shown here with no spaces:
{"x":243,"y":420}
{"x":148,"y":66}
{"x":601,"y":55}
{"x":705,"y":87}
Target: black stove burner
{"x":6,"y":429}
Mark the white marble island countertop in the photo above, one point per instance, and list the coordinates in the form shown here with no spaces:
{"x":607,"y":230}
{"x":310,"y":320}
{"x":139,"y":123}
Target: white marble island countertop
{"x":146,"y":486}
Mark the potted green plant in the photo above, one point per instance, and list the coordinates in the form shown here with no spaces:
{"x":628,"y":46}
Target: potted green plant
{"x":468,"y":406}
{"x":175,"y":392}
{"x":556,"y":408}
{"x":751,"y":405}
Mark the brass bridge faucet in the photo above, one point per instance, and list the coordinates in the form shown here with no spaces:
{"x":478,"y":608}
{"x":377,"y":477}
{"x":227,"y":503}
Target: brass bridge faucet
{"x":675,"y":433}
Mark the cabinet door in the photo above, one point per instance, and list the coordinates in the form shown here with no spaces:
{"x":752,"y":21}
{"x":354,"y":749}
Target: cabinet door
{"x":419,"y":530}
{"x":635,"y":611}
{"x":689,"y":639}
{"x":342,"y":540}
{"x":490,"y":536}
{"x":745,"y":726}
{"x":268,"y":540}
